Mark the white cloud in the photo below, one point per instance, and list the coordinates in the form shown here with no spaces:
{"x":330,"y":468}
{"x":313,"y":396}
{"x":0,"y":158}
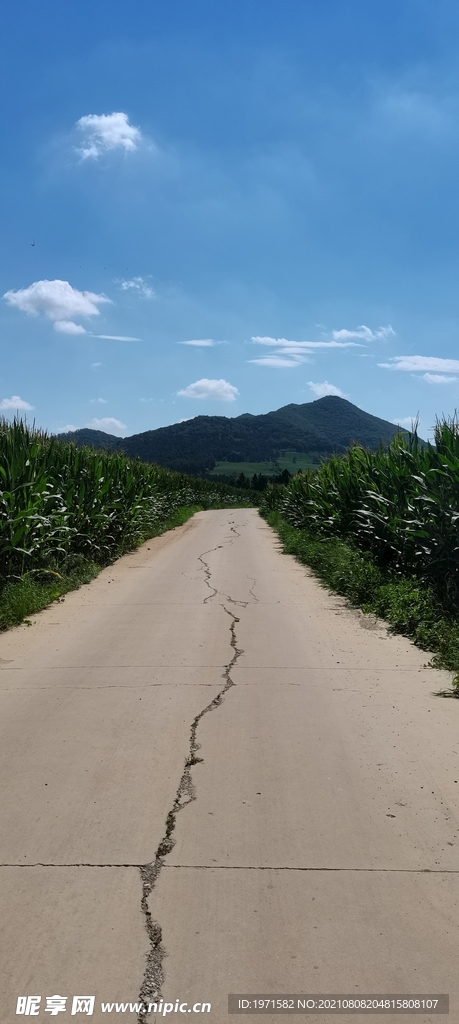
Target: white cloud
{"x":57,"y":300}
{"x":104,"y":132}
{"x":365,"y":333}
{"x":15,"y":403}
{"x":108,"y":424}
{"x":418,"y":364}
{"x":437,"y":378}
{"x":306,"y":346}
{"x":199,"y":342}
{"x":114,"y":337}
{"x":321,"y":390}
{"x":95,"y":366}
{"x":137,"y":284}
{"x":278,"y":361}
{"x":100,"y":401}
{"x":282,"y":344}
{"x":68,"y":327}
{"x":219,"y":390}
{"x":68,"y":429}
{"x":273,"y":342}
{"x":293,"y":353}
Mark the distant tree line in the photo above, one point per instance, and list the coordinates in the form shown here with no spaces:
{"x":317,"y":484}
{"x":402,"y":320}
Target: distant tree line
{"x":257,"y":482}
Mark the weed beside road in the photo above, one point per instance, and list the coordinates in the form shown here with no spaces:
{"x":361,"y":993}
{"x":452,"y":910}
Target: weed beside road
{"x":382,"y":528}
{"x":405,"y":604}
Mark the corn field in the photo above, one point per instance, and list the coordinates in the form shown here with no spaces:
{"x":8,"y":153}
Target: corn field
{"x":58,"y":501}
{"x":401,"y":505}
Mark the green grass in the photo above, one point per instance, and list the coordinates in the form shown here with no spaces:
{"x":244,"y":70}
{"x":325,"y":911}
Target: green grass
{"x":36,"y":590}
{"x":23,"y":597}
{"x":293,"y":461}
{"x":410,"y":607}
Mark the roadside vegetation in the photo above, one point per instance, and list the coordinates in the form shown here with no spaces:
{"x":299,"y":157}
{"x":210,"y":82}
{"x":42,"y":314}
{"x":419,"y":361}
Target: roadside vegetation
{"x":382,"y":528}
{"x":66,"y":512}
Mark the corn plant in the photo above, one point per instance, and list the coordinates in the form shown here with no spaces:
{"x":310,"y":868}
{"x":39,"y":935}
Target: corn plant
{"x":400,"y":504}
{"x":58,"y":501}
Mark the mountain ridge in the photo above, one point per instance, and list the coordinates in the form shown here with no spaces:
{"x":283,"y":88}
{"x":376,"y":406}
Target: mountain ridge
{"x":327,"y":425}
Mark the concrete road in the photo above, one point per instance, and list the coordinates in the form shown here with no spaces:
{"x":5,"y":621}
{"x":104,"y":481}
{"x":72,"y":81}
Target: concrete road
{"x":218,"y":778}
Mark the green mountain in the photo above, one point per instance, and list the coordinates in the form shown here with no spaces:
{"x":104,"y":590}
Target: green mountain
{"x":328,"y":425}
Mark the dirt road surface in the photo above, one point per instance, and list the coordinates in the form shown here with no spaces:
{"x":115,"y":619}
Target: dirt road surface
{"x":217,"y":778}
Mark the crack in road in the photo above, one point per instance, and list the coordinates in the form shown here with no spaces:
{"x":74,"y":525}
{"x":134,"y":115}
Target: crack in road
{"x":153,"y":977}
{"x":208,"y":573}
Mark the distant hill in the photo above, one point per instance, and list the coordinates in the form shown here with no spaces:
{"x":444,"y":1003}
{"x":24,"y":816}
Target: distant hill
{"x":93,"y":439}
{"x":328,"y":425}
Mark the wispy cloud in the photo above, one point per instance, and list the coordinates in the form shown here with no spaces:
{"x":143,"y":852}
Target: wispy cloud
{"x":68,"y":429}
{"x":108,"y":423}
{"x":277,"y":361}
{"x":302,"y":346}
{"x":311,"y":346}
{"x":16,"y":403}
{"x":324,"y":389}
{"x":420,"y":364}
{"x":139,"y":286}
{"x":272,"y":342}
{"x":200,"y":342}
{"x":101,"y":133}
{"x":218,"y":390}
{"x":99,"y":401}
{"x":365,"y":333}
{"x":58,"y":301}
{"x":438,"y":378}
{"x":293,"y":353}
{"x":68,"y":327}
{"x":115,"y":337}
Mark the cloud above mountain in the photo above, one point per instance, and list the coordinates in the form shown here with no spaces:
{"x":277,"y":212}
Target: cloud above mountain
{"x":107,"y":423}
{"x":321,"y":390}
{"x":218,"y":390}
{"x":293,"y":353}
{"x":15,"y":403}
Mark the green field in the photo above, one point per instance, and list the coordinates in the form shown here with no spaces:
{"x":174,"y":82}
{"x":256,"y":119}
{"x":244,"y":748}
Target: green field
{"x":293,"y":461}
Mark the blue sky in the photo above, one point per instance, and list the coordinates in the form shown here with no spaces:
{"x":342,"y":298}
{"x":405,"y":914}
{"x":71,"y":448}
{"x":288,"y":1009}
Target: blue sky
{"x":223,"y":206}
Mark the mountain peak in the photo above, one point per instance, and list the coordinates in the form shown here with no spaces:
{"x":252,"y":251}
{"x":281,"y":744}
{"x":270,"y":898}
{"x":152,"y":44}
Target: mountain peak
{"x":318,"y":428}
